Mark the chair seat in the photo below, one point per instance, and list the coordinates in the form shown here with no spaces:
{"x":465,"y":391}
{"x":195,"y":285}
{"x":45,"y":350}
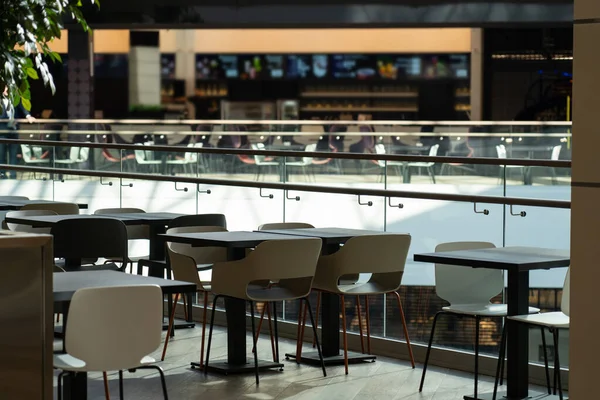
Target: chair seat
{"x":274,"y":293}
{"x":421,"y":164}
{"x":550,"y":319}
{"x":489,"y":310}
{"x":67,"y":362}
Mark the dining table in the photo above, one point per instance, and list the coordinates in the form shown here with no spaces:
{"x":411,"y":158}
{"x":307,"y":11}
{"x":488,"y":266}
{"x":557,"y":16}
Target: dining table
{"x":65,"y":284}
{"x":236,"y":244}
{"x":333,"y":239}
{"x":517,"y":261}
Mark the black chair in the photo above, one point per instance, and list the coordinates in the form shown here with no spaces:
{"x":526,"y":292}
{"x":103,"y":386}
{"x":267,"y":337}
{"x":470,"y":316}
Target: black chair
{"x":81,"y":242}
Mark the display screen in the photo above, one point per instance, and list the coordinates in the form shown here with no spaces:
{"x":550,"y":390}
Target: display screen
{"x":353,"y":66}
{"x":253,"y":67}
{"x":298,"y":66}
{"x":459,"y":65}
{"x":275,"y":66}
{"x":216,"y":66}
{"x":111,"y":66}
{"x":167,"y":66}
{"x":436,"y":66}
{"x":320,"y":65}
{"x":398,"y":66}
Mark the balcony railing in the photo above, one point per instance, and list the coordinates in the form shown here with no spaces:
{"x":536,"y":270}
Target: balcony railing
{"x":436,"y":198}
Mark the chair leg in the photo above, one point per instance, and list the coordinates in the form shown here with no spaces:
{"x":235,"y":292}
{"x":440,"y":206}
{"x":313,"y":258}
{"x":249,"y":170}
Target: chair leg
{"x":499,"y":369}
{"x":367,"y":312}
{"x":301,"y":323}
{"x":163,"y":382}
{"x":270,"y":331}
{"x":477,"y":320}
{"x":403,"y":318}
{"x":120,"y":384}
{"x":360,"y":329}
{"x":205,"y":304}
{"x":557,"y":363}
{"x":343,"y":311}
{"x":260,"y":322}
{"x":210,"y":331}
{"x":253,"y":339}
{"x":546,"y":367}
{"x":59,"y":385}
{"x":317,"y":314}
{"x":171,"y":319}
{"x":106,"y":391}
{"x":429,"y":350}
{"x":276,"y":333}
{"x":314,"y":327}
{"x":185,"y":308}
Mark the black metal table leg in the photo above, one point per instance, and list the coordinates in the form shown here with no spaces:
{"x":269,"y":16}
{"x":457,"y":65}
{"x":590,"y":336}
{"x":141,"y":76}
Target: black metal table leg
{"x":75,"y":386}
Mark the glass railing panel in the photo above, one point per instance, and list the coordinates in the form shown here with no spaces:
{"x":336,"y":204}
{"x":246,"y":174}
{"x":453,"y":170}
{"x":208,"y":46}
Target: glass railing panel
{"x":430,"y":223}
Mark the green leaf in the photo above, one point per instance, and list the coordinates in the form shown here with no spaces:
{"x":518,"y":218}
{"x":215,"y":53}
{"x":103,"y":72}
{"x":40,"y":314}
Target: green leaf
{"x":26,"y":95}
{"x":28,"y":63}
{"x":26,"y":103}
{"x":57,"y":57}
{"x":32,"y":73}
{"x":24,"y":85}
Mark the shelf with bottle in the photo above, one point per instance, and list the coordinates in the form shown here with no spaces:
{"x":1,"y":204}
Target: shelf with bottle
{"x":211,"y":90}
{"x":463,"y":92}
{"x":359,"y":91}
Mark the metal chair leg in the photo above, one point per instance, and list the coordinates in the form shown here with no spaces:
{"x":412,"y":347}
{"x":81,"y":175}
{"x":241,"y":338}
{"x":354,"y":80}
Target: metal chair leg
{"x":546,"y":367}
{"x":270,"y":332}
{"x":557,"y":363}
{"x":121,"y":384}
{"x":343,"y":310}
{"x":276,"y":333}
{"x":205,"y":305}
{"x":499,"y":370}
{"x":171,"y":319}
{"x":210,"y":331}
{"x":367,"y":314}
{"x":163,"y":382}
{"x":59,"y":388}
{"x":429,"y":350}
{"x":477,"y":320}
{"x":254,"y":339}
{"x":317,"y":314}
{"x":360,"y":329}
{"x":300,"y":334}
{"x":405,"y":328}
{"x":106,"y":391}
{"x":314,"y":327}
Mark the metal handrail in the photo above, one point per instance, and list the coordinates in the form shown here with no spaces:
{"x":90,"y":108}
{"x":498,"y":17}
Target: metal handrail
{"x":294,"y":122}
{"x":386,"y":193}
{"x":311,"y":154}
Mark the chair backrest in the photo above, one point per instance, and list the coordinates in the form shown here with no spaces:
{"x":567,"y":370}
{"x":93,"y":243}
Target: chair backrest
{"x":199,"y":220}
{"x":59,"y":208}
{"x":433,"y":150}
{"x":384,"y":256}
{"x":290,"y":262}
{"x":284,"y":225}
{"x":201,"y":255}
{"x":28,"y":228}
{"x":258,"y":159}
{"x":555,"y":153}
{"x":462,"y":285}
{"x":90,"y":238}
{"x":14,"y":198}
{"x":380,"y":148}
{"x":133,"y":231}
{"x":565,"y":304}
{"x":501,"y":150}
{"x":113,"y":328}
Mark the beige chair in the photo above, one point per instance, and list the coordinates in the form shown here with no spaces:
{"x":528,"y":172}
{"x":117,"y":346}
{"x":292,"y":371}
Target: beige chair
{"x":383,"y":256}
{"x":291,"y":262}
{"x":9,"y":198}
{"x":284,"y":225}
{"x":59,"y":208}
{"x":134,"y":232}
{"x":193,"y":264}
{"x":28,"y":228}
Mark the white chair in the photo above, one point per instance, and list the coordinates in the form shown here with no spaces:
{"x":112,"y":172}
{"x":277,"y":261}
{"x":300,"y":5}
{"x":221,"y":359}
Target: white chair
{"x":28,"y":228}
{"x":95,"y":338}
{"x":504,"y":169}
{"x":32,"y":155}
{"x":292,"y":262}
{"x":555,"y":156}
{"x":57,"y":207}
{"x":428,"y":165}
{"x":146,"y":160}
{"x":77,"y":155}
{"x":262,"y":162}
{"x":469,"y":291}
{"x":10,"y":198}
{"x":305,"y":163}
{"x":398,"y":165}
{"x":193,"y":264}
{"x":186,"y":163}
{"x":553,"y":321}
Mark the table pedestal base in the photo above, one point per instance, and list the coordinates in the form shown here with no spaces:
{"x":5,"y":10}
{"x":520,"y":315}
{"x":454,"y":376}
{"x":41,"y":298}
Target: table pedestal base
{"x":223,"y":367}
{"x":312,"y":357}
{"x":180,"y":324}
{"x":503,"y":396}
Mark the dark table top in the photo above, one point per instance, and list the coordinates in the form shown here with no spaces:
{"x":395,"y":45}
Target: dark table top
{"x":18,"y":204}
{"x":241,"y":239}
{"x":507,"y":258}
{"x":329,"y":235}
{"x":40,"y":221}
{"x":67,"y":283}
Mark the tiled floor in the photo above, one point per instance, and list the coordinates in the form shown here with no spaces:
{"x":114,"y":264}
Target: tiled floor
{"x":384,"y":379}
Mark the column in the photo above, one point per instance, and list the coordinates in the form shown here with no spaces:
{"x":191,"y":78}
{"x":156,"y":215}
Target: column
{"x":80,"y":76}
{"x":477,"y":74}
{"x":185,"y":59}
{"x":144,"y":69}
{"x":585,"y":204}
